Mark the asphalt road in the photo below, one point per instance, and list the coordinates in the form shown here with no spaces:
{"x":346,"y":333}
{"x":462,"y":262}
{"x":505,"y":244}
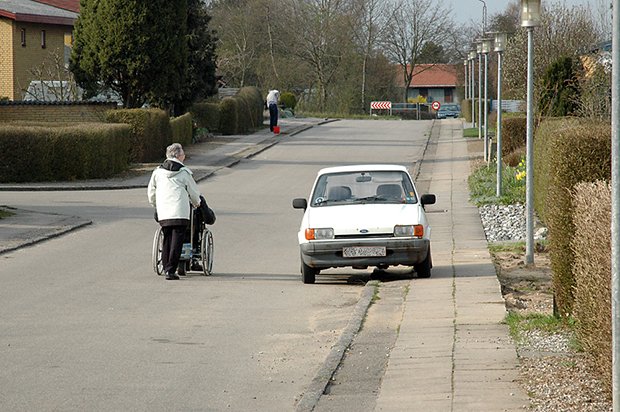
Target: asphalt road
{"x":86,"y":325}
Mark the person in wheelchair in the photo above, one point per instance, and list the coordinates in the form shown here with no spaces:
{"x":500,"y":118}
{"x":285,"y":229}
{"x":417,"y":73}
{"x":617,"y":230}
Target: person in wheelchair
{"x":171,"y":189}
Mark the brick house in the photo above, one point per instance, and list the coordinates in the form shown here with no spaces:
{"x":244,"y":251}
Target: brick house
{"x":30,"y":33}
{"x":435,"y":82}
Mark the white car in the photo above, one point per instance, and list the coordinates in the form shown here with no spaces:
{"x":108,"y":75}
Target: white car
{"x":361,"y":216}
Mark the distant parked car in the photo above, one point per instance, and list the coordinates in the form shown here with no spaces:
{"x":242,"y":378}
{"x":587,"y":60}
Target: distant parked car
{"x":449,"y":110}
{"x":361,"y":216}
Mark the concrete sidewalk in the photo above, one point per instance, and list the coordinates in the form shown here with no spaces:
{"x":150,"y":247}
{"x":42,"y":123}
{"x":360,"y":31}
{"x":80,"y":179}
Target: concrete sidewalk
{"x":453,"y":353}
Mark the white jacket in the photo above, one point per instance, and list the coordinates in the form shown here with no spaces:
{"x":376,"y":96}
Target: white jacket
{"x":171,"y":189}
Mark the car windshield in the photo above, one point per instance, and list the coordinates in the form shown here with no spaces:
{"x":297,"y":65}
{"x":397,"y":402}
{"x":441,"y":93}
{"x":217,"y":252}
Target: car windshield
{"x":451,"y":107}
{"x":364,"y":187}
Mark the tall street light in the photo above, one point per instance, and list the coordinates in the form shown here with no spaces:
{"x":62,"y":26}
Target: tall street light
{"x":486,"y":48}
{"x":465,"y":81}
{"x":500,"y":46}
{"x":479,"y":52}
{"x":530,"y":18}
{"x":472,"y":58}
{"x":615,"y":208}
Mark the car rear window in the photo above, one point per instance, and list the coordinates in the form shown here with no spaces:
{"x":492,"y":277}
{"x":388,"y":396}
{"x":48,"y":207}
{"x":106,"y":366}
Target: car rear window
{"x":363,"y":187}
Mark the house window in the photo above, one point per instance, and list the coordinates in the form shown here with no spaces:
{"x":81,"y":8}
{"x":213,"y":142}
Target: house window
{"x":448,"y":97}
{"x":23,"y":34}
{"x":423,"y":92}
{"x":42,"y":39}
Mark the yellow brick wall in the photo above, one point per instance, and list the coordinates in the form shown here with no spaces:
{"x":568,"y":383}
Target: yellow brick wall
{"x":6,"y":58}
{"x":63,"y":113}
{"x":32,"y":55}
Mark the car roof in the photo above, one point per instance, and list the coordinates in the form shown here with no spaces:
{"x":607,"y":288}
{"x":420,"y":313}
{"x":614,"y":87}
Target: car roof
{"x":363,"y":168}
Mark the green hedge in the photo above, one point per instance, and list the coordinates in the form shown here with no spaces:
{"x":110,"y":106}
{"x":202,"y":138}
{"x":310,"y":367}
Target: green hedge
{"x":207,"y":115}
{"x":229,"y":115}
{"x":151,"y":132}
{"x":466,"y":109}
{"x":182,"y":129}
{"x":514,"y":133}
{"x":48,"y":153}
{"x":574,"y":154}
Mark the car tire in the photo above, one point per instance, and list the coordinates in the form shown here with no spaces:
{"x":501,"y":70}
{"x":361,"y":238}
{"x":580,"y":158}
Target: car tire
{"x":423,"y":269}
{"x":308,"y":274}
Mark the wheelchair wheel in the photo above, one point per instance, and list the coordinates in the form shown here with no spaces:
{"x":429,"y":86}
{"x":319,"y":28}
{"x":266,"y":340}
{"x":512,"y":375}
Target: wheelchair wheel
{"x":158,"y":241}
{"x":206,"y":251}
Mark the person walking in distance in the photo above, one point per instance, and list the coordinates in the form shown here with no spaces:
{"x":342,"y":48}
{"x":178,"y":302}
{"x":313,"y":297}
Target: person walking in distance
{"x":171,"y":190}
{"x":272,"y":104}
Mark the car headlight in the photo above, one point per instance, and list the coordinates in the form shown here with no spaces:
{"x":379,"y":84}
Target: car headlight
{"x":409,"y":230}
{"x":320,"y":234}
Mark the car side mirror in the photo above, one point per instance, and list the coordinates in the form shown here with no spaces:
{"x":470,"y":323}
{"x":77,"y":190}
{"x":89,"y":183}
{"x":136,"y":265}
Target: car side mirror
{"x":428,"y":199}
{"x":300,"y":203}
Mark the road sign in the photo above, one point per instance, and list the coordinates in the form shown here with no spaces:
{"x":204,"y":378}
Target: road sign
{"x":381,"y":105}
{"x":436,"y":105}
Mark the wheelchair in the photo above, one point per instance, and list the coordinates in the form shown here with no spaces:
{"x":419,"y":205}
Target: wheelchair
{"x":197,"y":248}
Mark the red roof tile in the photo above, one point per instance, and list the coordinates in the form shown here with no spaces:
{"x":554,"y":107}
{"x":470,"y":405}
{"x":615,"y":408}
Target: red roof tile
{"x":71,"y":5}
{"x":432,"y":75}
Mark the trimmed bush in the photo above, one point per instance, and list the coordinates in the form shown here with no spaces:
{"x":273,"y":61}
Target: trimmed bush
{"x":514,"y":133}
{"x":592,"y":250}
{"x":576,"y":154}
{"x":150,"y":129}
{"x":229,"y":116}
{"x":466,"y":110}
{"x":182,"y":129}
{"x":81,"y":151}
{"x":207,"y":115}
{"x":288,"y":100}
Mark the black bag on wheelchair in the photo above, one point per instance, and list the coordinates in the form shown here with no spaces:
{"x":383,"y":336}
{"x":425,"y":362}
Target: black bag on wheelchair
{"x":207,"y":214}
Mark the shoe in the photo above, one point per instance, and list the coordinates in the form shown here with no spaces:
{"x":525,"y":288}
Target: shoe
{"x":171,"y":276}
{"x":196,"y":267}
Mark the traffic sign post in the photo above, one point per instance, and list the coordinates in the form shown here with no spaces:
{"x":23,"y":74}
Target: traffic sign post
{"x":381,"y":106}
{"x":435,"y":105}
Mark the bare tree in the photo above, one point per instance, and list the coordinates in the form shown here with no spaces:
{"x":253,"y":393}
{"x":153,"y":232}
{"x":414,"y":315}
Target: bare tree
{"x":564,"y":31}
{"x":368,"y":24}
{"x":413,"y":23}
{"x":52,"y":81}
{"x":603,"y":19}
{"x":318,"y":35}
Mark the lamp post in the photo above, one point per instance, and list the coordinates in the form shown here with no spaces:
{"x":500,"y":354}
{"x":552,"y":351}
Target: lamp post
{"x":500,"y":46}
{"x":486,"y":48}
{"x":472,"y":77}
{"x":479,"y":52}
{"x":530,"y":18}
{"x":465,"y":82}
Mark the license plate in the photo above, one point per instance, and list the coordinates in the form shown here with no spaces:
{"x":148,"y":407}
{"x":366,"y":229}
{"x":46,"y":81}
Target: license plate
{"x":363,"y":251}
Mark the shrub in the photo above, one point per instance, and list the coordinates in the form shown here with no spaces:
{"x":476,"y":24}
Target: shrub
{"x":514,"y":133}
{"x":592,"y":250}
{"x":81,"y":151}
{"x":150,"y":131}
{"x":466,"y":110}
{"x":576,"y":154}
{"x":207,"y":115}
{"x":288,"y":100}
{"x":182,"y":129}
{"x":229,"y":116}
{"x":250,"y":108}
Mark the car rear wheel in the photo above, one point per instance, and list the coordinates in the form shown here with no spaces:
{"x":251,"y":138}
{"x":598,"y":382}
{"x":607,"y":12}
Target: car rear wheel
{"x":308,"y":274}
{"x":423,"y":269}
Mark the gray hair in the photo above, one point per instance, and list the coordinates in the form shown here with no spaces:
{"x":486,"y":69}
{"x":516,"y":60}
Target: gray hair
{"x":174,"y":151}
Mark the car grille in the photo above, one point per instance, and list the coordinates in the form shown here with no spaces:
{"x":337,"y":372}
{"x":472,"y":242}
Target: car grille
{"x":365,"y":236}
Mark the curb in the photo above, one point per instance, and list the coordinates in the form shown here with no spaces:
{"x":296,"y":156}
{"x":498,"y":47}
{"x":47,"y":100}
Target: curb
{"x":320,"y":381}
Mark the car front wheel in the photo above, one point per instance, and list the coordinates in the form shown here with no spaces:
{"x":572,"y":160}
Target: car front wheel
{"x":423,"y":269}
{"x":308,"y":274}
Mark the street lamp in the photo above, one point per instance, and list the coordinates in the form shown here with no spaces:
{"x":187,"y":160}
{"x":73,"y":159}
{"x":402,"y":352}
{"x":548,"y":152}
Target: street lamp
{"x":479,"y":52}
{"x":472,"y":57}
{"x":465,"y":82}
{"x":486,"y":48}
{"x":530,"y":18}
{"x":500,"y":46}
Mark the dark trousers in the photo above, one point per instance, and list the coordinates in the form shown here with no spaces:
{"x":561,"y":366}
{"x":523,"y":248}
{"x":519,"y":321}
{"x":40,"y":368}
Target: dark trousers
{"x":172,"y":247}
{"x":273,"y":116}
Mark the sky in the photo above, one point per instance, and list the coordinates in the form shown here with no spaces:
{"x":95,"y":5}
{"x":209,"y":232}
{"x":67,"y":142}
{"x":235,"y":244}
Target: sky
{"x":465,"y":11}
